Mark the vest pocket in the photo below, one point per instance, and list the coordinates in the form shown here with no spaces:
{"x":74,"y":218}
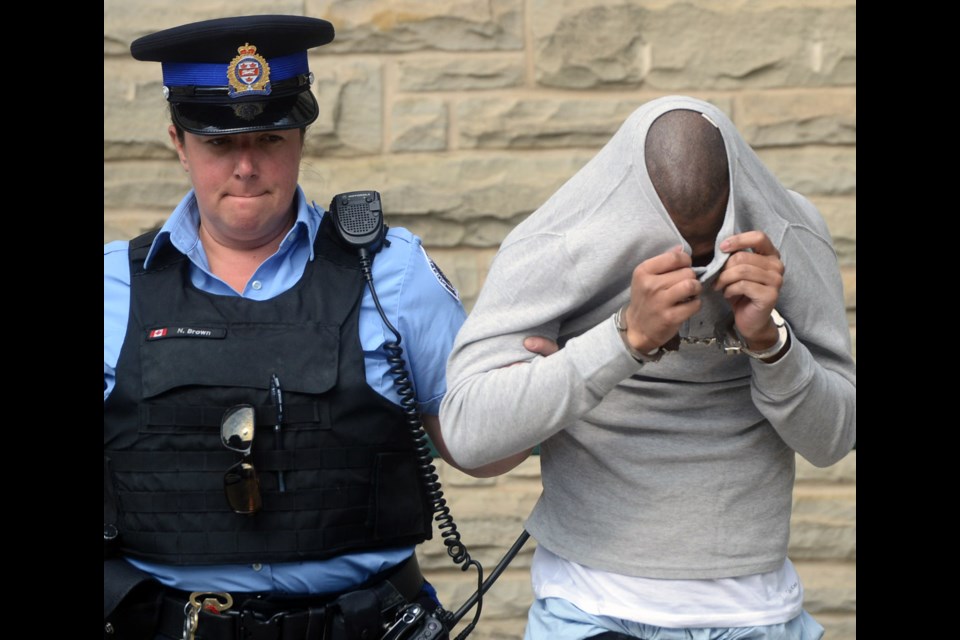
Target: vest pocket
{"x":304,"y":355}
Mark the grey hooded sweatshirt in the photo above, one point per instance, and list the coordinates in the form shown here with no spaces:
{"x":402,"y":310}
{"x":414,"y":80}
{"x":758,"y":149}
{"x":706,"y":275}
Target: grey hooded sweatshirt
{"x":679,"y":469}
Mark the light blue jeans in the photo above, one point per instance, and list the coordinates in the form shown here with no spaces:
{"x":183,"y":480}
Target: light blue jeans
{"x":557,"y":619}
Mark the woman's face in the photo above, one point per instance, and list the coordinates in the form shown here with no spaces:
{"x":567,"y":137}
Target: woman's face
{"x":245,"y":183}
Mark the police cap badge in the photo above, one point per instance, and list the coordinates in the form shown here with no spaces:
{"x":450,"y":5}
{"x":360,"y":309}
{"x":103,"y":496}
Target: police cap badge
{"x":234,"y":75}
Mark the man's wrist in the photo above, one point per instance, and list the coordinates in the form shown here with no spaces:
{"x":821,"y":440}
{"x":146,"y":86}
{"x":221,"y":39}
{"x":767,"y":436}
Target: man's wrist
{"x":769,"y":350}
{"x":638,"y":355}
{"x":764,"y":340}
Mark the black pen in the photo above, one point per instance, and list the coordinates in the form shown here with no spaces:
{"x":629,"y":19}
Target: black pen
{"x":277,"y":395}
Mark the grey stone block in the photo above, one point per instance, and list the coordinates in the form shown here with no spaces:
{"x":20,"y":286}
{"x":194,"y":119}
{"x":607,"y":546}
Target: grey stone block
{"x":407,"y":25}
{"x":589,"y":44}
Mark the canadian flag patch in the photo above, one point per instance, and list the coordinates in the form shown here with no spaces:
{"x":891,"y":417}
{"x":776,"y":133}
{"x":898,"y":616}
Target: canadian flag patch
{"x":157,"y":333}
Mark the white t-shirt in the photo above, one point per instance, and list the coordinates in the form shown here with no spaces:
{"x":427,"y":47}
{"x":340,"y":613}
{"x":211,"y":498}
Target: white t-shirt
{"x":745,"y":601}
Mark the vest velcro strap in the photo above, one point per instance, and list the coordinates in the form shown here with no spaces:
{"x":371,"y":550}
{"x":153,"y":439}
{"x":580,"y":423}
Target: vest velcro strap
{"x":152,"y":462}
{"x":331,"y":458}
{"x":186,"y":418}
{"x":302,"y":459}
{"x":204,"y":502}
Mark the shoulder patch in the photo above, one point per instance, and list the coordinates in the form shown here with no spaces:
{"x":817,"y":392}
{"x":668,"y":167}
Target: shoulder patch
{"x":441,"y":278}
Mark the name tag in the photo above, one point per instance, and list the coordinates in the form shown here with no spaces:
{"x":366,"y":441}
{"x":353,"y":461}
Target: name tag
{"x":162,"y":333}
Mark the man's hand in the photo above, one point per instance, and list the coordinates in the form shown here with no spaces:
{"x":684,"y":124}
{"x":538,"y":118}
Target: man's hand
{"x":751,"y":281}
{"x":664,"y":293}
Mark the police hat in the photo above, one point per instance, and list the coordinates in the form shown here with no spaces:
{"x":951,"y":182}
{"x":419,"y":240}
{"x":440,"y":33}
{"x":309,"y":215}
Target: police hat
{"x":234,"y":75}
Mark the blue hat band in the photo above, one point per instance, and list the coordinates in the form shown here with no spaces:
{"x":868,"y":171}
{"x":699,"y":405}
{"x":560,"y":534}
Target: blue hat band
{"x":181,"y":74}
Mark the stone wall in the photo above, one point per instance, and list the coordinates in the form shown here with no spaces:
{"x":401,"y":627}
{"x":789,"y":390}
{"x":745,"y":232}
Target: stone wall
{"x":467,"y":115}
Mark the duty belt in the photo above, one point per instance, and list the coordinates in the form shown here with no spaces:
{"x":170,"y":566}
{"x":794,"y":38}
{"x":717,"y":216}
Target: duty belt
{"x":356,"y":614}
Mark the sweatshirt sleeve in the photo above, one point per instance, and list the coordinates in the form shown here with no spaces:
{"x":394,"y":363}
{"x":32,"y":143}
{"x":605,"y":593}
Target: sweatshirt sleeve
{"x":810,"y":395}
{"x":501,"y":399}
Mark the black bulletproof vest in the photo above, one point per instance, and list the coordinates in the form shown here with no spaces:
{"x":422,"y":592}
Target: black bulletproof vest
{"x":346,"y":455}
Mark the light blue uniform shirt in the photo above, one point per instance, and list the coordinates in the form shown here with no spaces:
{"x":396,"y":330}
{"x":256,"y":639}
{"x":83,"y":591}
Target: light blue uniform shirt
{"x":418,"y":301}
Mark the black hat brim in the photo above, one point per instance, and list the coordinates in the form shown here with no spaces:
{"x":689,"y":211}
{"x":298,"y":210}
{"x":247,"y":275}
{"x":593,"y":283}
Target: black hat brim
{"x":244,"y":116}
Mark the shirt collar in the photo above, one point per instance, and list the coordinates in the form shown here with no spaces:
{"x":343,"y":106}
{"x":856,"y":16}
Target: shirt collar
{"x":182,"y":229}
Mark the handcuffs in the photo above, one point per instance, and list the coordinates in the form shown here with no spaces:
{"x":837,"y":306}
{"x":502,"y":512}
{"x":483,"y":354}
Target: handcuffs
{"x":725,"y":337}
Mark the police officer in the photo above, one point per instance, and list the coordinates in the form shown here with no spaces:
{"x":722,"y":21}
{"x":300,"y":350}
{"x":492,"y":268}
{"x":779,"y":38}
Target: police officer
{"x":260,"y":475}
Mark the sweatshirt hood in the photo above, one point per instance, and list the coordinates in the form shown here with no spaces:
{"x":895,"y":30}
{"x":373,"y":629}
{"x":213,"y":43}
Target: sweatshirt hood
{"x":617,"y":178}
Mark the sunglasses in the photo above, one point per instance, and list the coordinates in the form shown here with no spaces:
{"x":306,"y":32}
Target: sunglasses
{"x":240,"y":482}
